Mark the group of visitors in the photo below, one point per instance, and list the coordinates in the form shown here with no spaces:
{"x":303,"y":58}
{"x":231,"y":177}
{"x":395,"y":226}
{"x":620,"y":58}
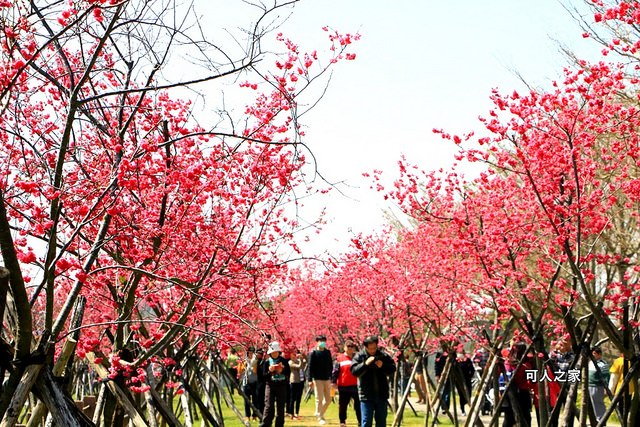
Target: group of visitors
{"x":270,"y":378}
{"x":518,"y":370}
{"x":274,"y":384}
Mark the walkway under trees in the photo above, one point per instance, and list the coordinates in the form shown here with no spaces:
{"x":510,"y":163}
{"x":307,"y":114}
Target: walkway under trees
{"x":139,"y":242}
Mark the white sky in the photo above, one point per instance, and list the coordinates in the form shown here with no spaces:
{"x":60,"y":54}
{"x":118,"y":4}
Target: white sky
{"x":420,"y":65}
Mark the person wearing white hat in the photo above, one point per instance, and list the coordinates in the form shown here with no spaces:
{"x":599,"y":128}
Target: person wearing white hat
{"x":274,"y":347}
{"x":276,"y":375}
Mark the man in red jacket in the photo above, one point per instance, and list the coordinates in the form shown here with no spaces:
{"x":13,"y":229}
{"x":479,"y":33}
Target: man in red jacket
{"x":347,"y":383}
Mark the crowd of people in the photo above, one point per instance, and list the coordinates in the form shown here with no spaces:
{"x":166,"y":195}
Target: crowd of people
{"x":520,"y":369}
{"x":273,"y":384}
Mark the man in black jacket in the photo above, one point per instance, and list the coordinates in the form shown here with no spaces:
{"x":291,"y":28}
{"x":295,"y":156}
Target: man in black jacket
{"x":319,"y":368}
{"x":373,"y":367}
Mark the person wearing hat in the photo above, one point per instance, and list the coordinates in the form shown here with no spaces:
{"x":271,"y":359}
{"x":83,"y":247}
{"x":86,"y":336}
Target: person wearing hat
{"x":275,"y":373}
{"x":319,"y":371}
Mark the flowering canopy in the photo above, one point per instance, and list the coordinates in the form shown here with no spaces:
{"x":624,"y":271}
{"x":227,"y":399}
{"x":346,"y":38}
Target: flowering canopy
{"x":112,"y":190}
{"x":547,"y":228}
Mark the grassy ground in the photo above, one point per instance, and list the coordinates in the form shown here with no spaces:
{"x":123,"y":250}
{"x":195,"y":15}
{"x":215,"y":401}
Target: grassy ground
{"x":307,"y":410}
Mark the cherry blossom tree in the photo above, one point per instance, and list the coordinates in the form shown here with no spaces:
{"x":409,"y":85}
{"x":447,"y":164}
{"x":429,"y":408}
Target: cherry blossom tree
{"x":546,"y":235}
{"x":115,"y":191}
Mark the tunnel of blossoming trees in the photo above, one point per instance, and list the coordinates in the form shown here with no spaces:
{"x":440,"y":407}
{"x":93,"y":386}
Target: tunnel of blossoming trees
{"x":140,"y":245}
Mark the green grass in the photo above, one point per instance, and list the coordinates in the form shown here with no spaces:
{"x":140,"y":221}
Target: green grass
{"x":307,"y":409}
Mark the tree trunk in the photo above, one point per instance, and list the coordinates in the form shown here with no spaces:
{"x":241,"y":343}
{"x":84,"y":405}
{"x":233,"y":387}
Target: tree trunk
{"x":24,"y":322}
{"x":4,"y":287}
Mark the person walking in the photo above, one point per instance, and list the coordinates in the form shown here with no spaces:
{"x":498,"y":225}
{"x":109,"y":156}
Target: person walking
{"x":296,"y":384}
{"x":249,"y":383}
{"x":519,"y":393}
{"x":260,"y":360}
{"x":373,"y":367}
{"x":276,"y":376}
{"x":561,"y":360}
{"x":420,"y":381}
{"x":320,"y":366}
{"x":480,"y":360}
{"x":615,"y":383}
{"x":445,"y":393}
{"x":347,"y":383}
{"x":598,"y":380}
{"x":467,"y":371}
{"x":232,"y":368}
{"x":404,"y":367}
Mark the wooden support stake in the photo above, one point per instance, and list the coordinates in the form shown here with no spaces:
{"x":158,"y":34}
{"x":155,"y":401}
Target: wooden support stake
{"x":482,"y":390}
{"x":148,"y":397}
{"x":102,"y":398}
{"x":441,"y":384}
{"x":20,"y":396}
{"x":405,"y":396}
{"x":207,"y":387}
{"x":63,"y":411}
{"x":226,"y":397}
{"x":203,"y":409}
{"x":120,"y":395}
{"x":29,"y":377}
{"x":184,"y":401}
{"x":66,"y":354}
{"x":161,"y":405}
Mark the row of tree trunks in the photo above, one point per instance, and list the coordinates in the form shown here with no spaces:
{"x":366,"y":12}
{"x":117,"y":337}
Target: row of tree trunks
{"x":53,"y":398}
{"x":397,"y":419}
{"x":199,"y":379}
{"x":563,"y":412}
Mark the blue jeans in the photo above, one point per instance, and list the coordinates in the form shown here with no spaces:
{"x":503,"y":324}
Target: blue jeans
{"x":374,"y":408}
